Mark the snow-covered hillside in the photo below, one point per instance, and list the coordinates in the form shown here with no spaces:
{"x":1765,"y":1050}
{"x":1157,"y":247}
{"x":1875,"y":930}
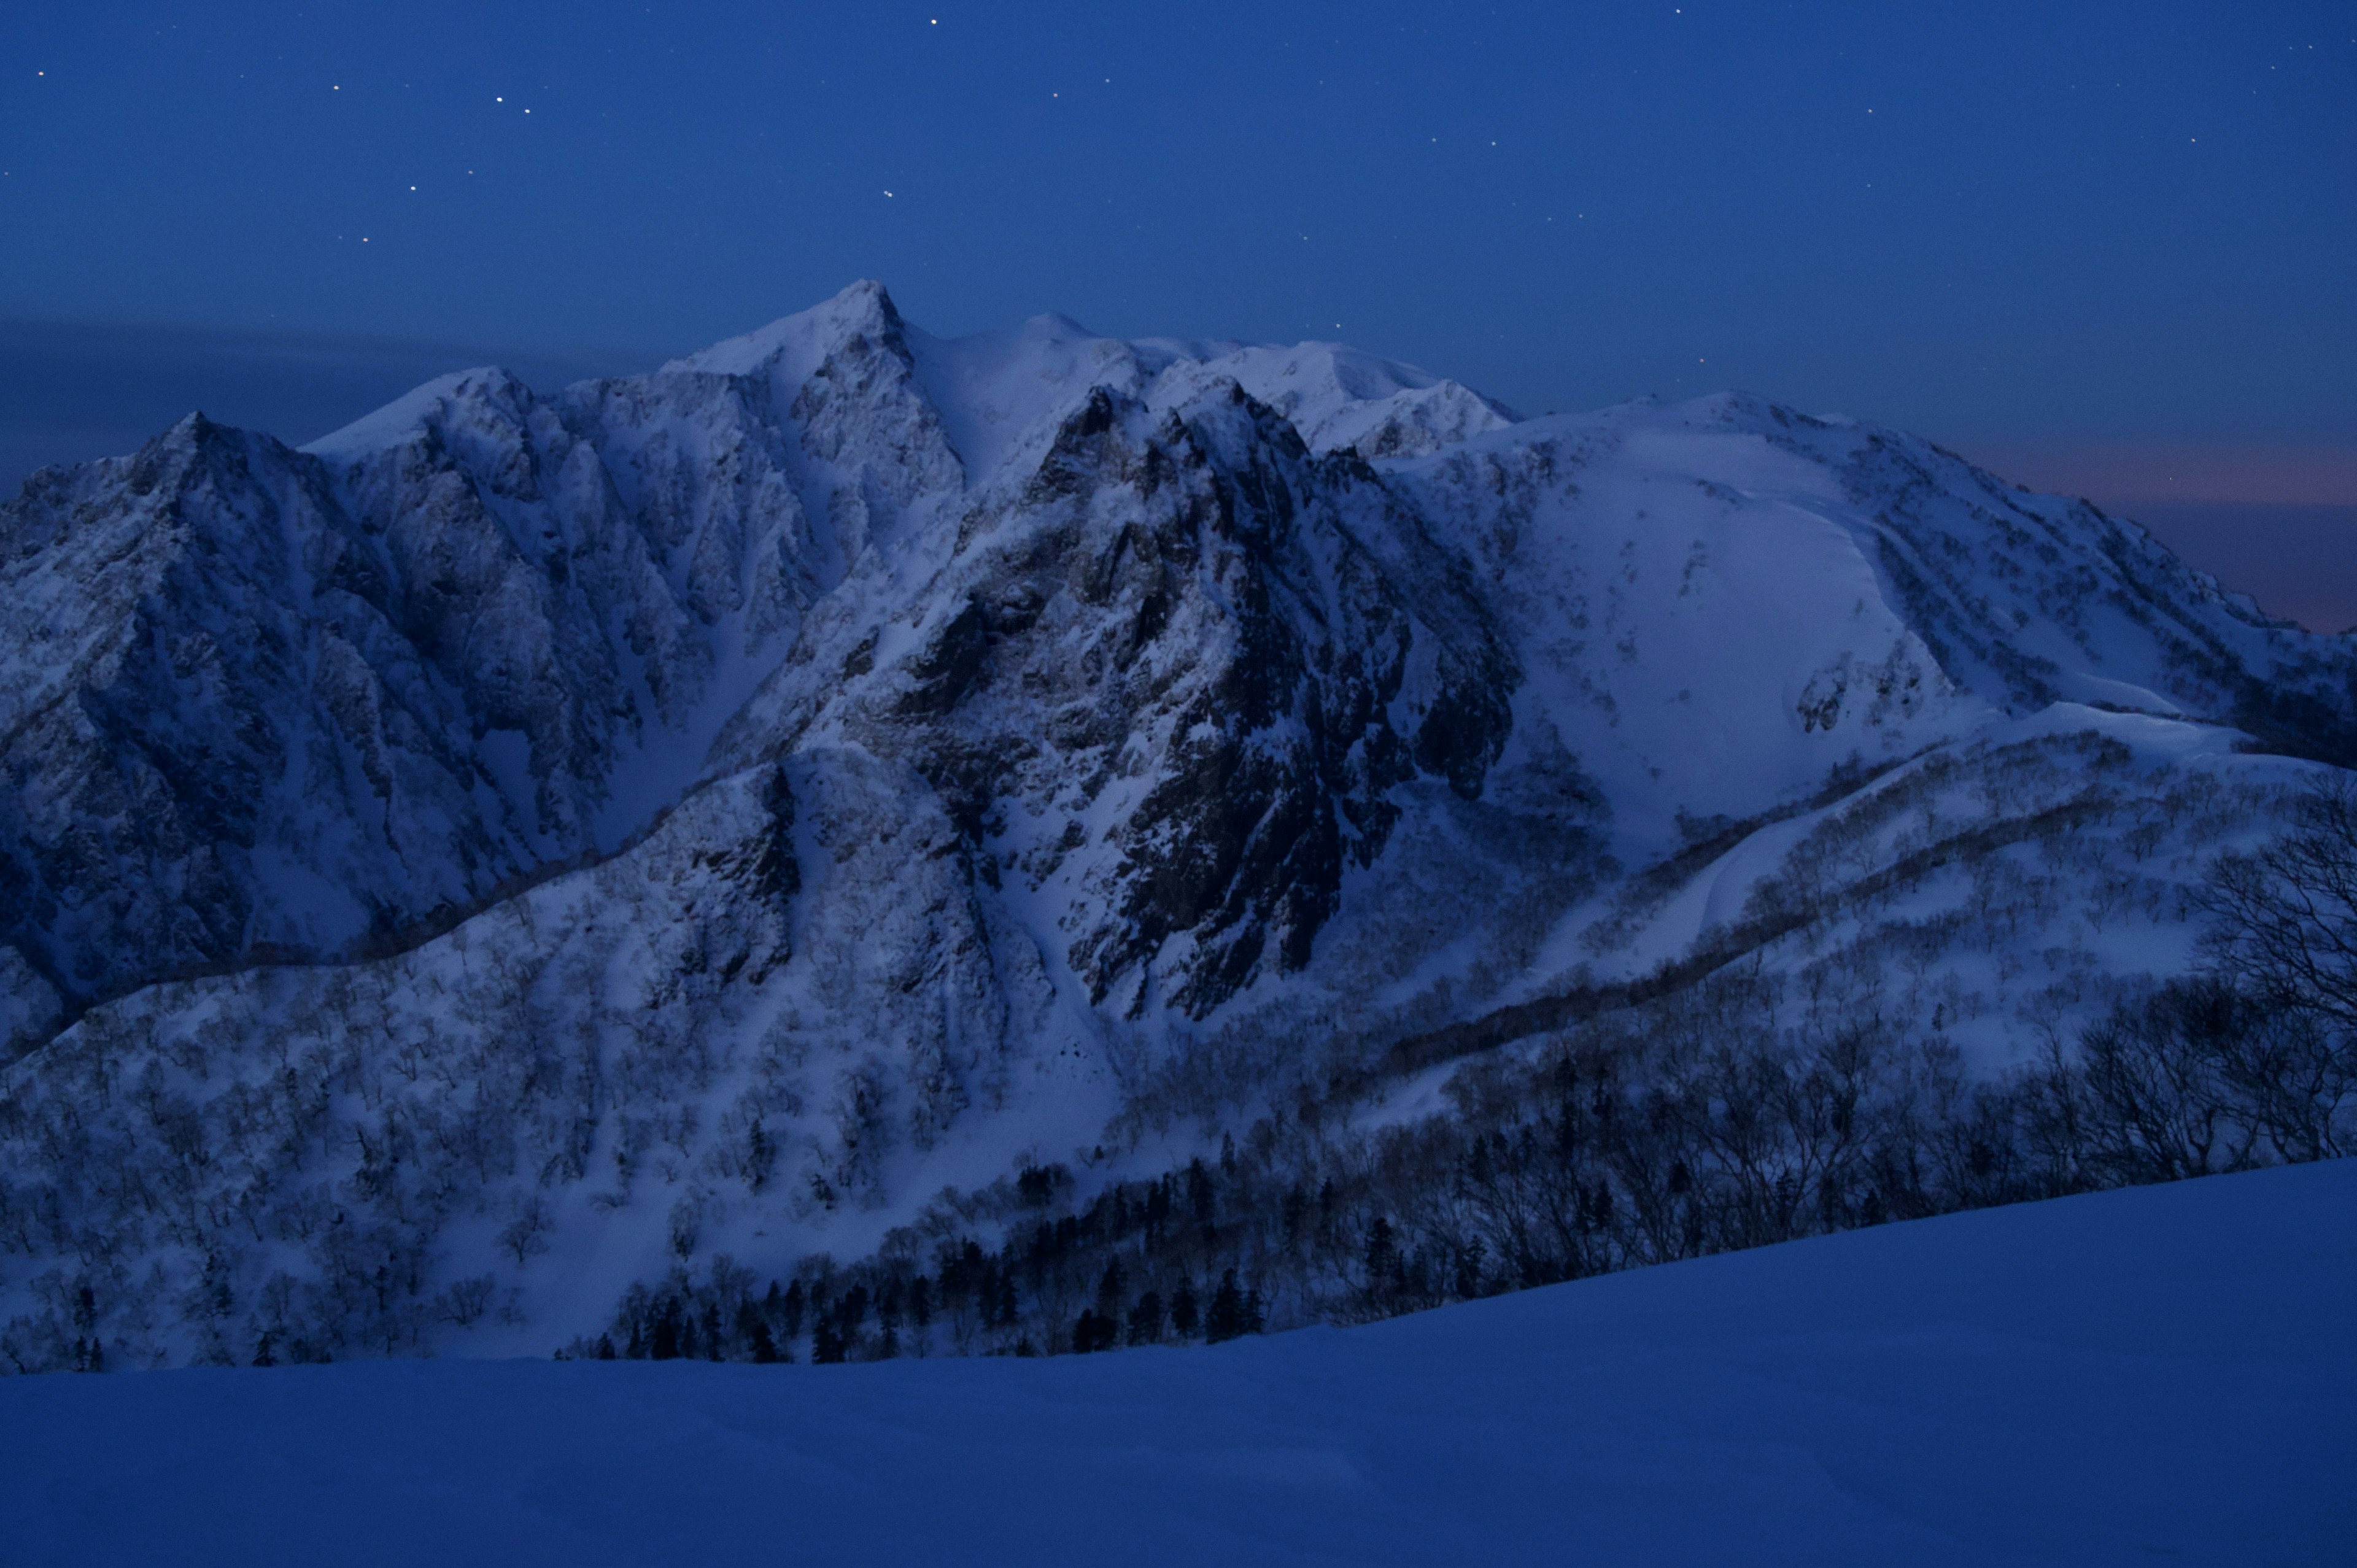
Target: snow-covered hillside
{"x":2160,"y":1374}
{"x":543,"y":839}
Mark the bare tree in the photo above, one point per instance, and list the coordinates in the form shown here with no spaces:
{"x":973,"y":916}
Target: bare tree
{"x":2286,"y":915}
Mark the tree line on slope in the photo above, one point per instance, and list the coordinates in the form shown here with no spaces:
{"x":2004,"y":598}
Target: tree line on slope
{"x":1693,"y":1124}
{"x":285,"y":1174}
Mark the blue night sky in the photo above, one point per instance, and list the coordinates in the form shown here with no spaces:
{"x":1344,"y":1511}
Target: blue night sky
{"x":2095,"y":244}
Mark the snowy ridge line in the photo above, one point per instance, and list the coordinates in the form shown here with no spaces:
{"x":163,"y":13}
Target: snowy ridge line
{"x":1522,"y":1019}
{"x":372,"y":948}
{"x":1647,"y":888}
{"x":392,"y":943}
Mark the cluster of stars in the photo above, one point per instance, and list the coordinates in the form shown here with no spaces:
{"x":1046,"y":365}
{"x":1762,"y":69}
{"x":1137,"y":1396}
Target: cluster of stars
{"x":338,"y":87}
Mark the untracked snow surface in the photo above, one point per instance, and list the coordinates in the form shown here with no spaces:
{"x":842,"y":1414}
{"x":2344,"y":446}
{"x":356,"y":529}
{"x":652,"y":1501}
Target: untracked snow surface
{"x":2163,"y":1374}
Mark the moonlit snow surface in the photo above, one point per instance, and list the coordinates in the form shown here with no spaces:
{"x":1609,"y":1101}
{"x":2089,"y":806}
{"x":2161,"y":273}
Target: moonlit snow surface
{"x":2164,"y":1374}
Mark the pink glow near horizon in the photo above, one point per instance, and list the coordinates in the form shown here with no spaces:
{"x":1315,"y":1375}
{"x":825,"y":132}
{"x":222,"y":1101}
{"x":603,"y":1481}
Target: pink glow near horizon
{"x":2122,"y":474}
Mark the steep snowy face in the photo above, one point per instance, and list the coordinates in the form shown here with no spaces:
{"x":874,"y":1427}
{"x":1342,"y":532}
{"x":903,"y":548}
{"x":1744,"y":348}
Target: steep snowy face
{"x":260,"y":699}
{"x":216,"y":733}
{"x":1141,"y":614}
{"x":511,"y":565}
{"x":1721,"y":601}
{"x":264,"y":699}
{"x":1163,"y":683}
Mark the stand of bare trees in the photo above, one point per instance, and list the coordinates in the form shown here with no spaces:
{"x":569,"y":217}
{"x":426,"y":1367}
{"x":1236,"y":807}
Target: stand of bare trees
{"x":1695,"y":1124}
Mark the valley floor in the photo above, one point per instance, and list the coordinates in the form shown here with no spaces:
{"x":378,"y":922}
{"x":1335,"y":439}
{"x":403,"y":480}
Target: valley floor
{"x":2156,"y":1374}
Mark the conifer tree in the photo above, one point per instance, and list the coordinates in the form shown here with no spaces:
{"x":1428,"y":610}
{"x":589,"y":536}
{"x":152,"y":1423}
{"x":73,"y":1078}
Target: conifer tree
{"x":1183,"y":1311}
{"x":920,"y":1302}
{"x":1383,"y":1257}
{"x":827,"y":1346}
{"x":1200,"y":1200}
{"x":1094,"y":1331}
{"x":1231,"y":1314}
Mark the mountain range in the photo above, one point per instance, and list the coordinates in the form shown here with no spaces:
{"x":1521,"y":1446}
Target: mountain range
{"x":517,"y":844}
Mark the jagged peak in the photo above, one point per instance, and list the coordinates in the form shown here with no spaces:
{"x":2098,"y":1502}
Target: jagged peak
{"x":402,"y":420}
{"x":791,"y":347}
{"x":193,"y":442}
{"x":1337,"y":396}
{"x":193,"y":431}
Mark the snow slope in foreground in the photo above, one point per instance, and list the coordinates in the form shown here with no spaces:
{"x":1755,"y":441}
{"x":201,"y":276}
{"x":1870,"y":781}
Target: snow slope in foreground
{"x":2167,"y":1373}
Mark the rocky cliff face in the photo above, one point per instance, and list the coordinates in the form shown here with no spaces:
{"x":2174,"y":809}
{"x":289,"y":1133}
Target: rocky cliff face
{"x":313,"y":696}
{"x":712,"y":809}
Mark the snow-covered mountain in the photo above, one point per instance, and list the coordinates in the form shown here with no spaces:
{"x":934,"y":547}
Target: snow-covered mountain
{"x":540,"y":838}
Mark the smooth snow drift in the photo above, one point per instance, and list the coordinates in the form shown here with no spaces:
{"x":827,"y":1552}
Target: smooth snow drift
{"x":2162,"y":1374}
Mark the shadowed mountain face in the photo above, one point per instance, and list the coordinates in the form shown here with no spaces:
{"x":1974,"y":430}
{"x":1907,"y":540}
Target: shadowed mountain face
{"x":280,"y":700}
{"x":849,"y":758}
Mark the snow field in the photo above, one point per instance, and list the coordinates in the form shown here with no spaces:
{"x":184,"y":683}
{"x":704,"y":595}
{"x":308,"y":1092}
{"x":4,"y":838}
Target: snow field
{"x":2154,"y":1374}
